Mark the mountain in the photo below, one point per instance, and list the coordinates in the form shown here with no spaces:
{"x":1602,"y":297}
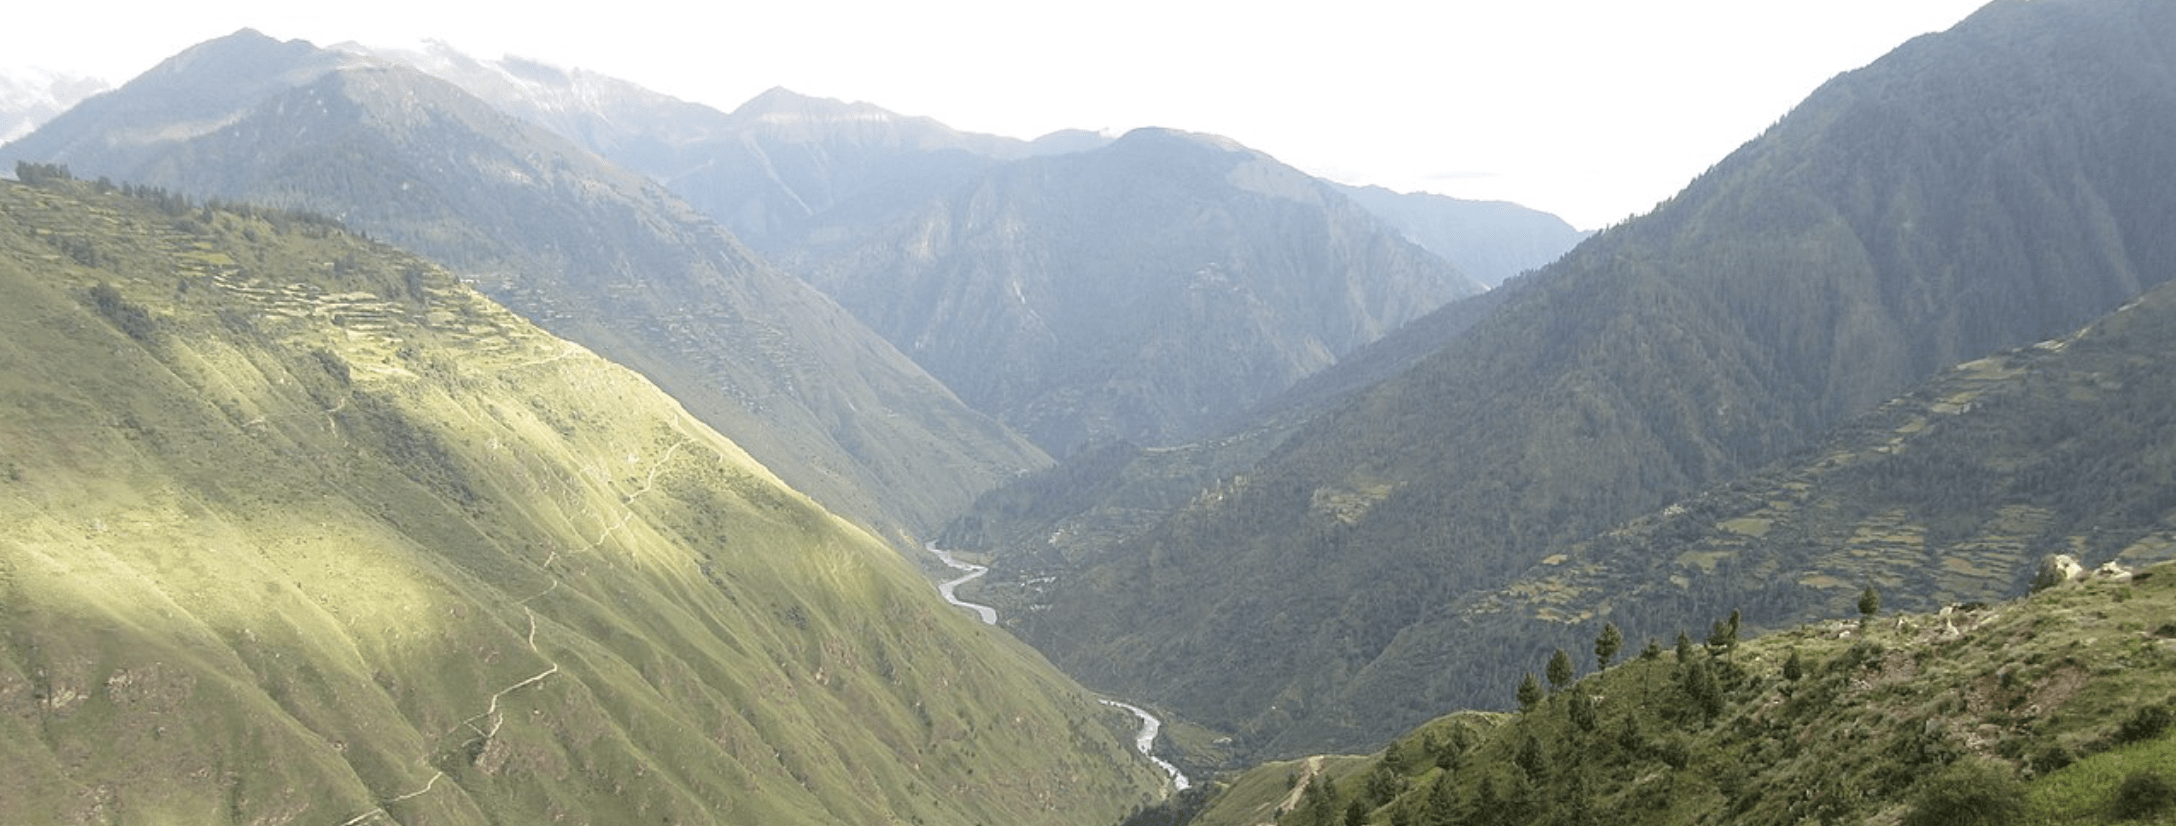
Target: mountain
{"x":2050,"y":710}
{"x":1984,"y":188}
{"x":295,"y":527}
{"x":787,"y":173}
{"x":1142,"y":291}
{"x":29,"y":97}
{"x":589,"y":250}
{"x":1489,"y":240}
{"x":1951,"y":493}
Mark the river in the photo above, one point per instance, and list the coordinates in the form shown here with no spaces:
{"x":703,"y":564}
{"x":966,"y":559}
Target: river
{"x":1145,"y":740}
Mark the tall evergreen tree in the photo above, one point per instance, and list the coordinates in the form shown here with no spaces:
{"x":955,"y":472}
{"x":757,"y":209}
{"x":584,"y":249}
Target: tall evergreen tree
{"x":1530,"y":693}
{"x":1560,"y":670}
{"x":1606,"y":645}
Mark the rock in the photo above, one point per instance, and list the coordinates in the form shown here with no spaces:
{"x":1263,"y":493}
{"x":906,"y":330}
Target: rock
{"x":2112,"y":572}
{"x":2056,"y":570}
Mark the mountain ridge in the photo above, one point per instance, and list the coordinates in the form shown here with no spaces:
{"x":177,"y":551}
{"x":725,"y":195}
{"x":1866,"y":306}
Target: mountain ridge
{"x":594,"y":252}
{"x":299,"y":528}
{"x":1889,"y":226}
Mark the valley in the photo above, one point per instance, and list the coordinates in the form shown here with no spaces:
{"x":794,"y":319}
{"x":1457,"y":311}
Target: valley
{"x":402,"y":436}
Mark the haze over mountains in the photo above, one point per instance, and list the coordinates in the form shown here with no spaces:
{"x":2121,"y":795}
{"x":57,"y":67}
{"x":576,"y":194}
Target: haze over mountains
{"x":1315,"y":484}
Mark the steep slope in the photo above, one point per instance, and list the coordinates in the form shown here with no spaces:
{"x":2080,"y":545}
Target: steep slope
{"x":2049,"y":710}
{"x":1144,"y":291}
{"x":1994,"y":185}
{"x":592,"y":252}
{"x":1949,"y":494}
{"x":299,"y":529}
{"x":1489,"y":240}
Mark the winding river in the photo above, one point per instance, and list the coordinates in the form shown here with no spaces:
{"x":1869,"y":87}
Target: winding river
{"x":1145,"y":740}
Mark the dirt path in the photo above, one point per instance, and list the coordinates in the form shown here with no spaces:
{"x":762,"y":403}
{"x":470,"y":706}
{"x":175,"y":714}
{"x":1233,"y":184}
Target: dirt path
{"x":1308,"y":772}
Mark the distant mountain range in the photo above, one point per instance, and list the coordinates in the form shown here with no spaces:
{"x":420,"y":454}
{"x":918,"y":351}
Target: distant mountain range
{"x":29,"y":97}
{"x":1995,"y":185}
{"x":889,"y":214}
{"x":1488,"y":240}
{"x":1145,"y":291}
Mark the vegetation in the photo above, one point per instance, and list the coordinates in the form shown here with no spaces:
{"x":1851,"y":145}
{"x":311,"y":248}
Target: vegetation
{"x":343,"y":542}
{"x":1889,"y":228}
{"x":589,"y":251}
{"x":1909,"y":724}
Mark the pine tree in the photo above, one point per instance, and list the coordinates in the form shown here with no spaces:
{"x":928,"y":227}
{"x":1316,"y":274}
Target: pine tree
{"x":1581,"y":710}
{"x":1793,"y":668}
{"x":1530,"y":694}
{"x":1869,"y":605}
{"x":1560,"y":670}
{"x":1606,"y":645}
{"x":1442,"y":806}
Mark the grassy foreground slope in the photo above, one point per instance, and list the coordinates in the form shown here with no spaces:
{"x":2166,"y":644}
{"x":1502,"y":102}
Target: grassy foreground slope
{"x":2054,"y":709}
{"x":294,"y":529}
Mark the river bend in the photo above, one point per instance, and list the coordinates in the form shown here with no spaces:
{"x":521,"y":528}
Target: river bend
{"x":1145,"y":740}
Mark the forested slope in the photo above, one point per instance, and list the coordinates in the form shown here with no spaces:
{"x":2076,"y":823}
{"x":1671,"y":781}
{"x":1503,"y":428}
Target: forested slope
{"x":1982,"y":188}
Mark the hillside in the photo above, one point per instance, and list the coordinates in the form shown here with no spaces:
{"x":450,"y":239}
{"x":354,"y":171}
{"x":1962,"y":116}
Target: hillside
{"x":1144,"y":291}
{"x":1979,"y":189}
{"x":297,"y":528}
{"x":1948,"y":494}
{"x":592,"y":252}
{"x":2049,"y":710}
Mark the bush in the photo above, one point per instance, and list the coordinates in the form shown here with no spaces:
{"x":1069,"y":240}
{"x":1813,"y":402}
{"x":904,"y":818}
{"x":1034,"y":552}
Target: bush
{"x":2145,"y":724}
{"x":1971,"y":792}
{"x":2142,"y":795}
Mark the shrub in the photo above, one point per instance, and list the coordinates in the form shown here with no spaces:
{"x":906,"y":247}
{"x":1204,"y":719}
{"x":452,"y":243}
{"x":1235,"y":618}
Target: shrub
{"x":1971,"y":792}
{"x":2142,"y":795}
{"x":2145,"y":724}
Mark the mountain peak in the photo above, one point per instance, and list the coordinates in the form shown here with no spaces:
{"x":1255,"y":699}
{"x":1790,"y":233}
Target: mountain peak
{"x":1151,"y":135}
{"x":781,"y":106}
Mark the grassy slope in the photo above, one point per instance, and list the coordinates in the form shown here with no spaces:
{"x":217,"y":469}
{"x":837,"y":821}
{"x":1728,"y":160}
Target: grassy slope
{"x":311,"y":534}
{"x":2038,"y":690}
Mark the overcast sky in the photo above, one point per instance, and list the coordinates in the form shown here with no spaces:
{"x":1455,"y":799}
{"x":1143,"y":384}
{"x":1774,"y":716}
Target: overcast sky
{"x":1591,"y":109}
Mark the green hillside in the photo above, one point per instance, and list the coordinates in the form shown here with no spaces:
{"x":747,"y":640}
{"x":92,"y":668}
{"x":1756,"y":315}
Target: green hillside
{"x":2050,"y":710}
{"x":592,"y":252}
{"x":1984,"y":188}
{"x":1951,"y":493}
{"x":294,"y":528}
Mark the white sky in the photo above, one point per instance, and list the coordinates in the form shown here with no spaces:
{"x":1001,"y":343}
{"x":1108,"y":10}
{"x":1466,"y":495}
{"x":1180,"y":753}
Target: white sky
{"x":1592,"y":109}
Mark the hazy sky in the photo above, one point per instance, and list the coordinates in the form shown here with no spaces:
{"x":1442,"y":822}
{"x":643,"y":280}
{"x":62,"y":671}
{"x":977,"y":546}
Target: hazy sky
{"x":1592,"y":109}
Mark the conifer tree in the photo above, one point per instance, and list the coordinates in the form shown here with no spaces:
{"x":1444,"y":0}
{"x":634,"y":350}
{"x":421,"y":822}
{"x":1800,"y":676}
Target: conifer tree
{"x":1869,"y":605}
{"x":1606,"y":645}
{"x":1442,"y":806}
{"x":1560,"y":670}
{"x":1530,"y":694}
